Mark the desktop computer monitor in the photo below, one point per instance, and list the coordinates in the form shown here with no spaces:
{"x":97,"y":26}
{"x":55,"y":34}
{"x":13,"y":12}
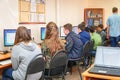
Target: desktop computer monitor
{"x":29,"y":30}
{"x":62,"y":34}
{"x":43,"y":31}
{"x":9,"y":36}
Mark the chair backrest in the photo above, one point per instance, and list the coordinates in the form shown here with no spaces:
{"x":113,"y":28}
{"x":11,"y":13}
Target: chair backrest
{"x":35,"y":68}
{"x":58,"y":63}
{"x":86,"y":48}
{"x":91,"y":45}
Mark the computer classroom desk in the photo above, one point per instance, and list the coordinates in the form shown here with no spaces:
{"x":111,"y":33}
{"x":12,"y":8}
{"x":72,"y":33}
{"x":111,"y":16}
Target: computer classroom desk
{"x":3,"y":57}
{"x":90,"y":76}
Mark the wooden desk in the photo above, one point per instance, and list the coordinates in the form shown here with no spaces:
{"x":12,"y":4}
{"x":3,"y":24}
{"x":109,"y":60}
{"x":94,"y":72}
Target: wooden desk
{"x":89,"y":76}
{"x":3,"y":57}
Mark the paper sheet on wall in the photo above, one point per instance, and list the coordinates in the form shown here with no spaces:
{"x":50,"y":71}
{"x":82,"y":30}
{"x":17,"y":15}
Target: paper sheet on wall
{"x":33,"y":1}
{"x":33,"y":7}
{"x":27,"y":0}
{"x":41,"y":1}
{"x":41,"y":17}
{"x":33,"y":17}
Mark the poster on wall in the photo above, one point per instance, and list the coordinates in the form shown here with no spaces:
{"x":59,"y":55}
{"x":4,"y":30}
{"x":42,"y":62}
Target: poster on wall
{"x":32,"y":12}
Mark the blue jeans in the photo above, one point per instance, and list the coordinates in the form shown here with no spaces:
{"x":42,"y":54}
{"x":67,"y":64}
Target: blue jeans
{"x":113,"y":41}
{"x":7,"y":74}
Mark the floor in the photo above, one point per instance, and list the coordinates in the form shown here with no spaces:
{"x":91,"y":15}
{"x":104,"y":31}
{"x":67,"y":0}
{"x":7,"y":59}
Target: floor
{"x":74,"y":76}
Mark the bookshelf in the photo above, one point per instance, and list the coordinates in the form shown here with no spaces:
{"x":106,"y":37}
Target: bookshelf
{"x":93,"y":16}
{"x":31,"y":11}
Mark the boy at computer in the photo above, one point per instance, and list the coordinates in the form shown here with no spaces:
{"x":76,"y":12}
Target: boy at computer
{"x":101,"y":32}
{"x":73,"y":44}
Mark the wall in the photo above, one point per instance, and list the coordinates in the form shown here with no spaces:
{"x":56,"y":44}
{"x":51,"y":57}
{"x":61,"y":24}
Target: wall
{"x":8,"y":17}
{"x":71,"y":11}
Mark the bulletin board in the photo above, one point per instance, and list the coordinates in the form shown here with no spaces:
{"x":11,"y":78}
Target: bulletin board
{"x":31,"y":11}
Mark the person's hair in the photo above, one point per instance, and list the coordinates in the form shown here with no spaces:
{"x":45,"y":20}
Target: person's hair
{"x":81,"y":26}
{"x":52,"y":35}
{"x":92,"y":29}
{"x":100,"y":26}
{"x":114,"y":9}
{"x":87,"y":29}
{"x":83,"y":23}
{"x":22,"y":34}
{"x":68,"y":26}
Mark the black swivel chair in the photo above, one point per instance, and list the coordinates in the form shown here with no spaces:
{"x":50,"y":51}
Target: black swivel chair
{"x":82,"y":58}
{"x":35,"y":70}
{"x":58,"y":65}
{"x":91,"y":50}
{"x":86,"y":54}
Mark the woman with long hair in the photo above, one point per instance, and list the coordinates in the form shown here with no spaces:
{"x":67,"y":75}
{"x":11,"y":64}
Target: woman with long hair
{"x":23,"y":51}
{"x":52,"y":43}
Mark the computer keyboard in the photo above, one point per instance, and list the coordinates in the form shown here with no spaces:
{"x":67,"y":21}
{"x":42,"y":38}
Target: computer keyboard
{"x":4,"y":62}
{"x":106,"y":70}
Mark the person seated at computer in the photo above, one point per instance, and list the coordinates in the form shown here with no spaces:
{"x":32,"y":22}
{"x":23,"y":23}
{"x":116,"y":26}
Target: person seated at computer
{"x":73,"y":45}
{"x":51,"y":44}
{"x":95,"y":37}
{"x":101,"y":31}
{"x":84,"y":35}
{"x":23,"y":51}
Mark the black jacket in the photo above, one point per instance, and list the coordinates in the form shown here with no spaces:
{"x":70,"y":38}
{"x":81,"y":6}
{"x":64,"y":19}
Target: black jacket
{"x":73,"y":45}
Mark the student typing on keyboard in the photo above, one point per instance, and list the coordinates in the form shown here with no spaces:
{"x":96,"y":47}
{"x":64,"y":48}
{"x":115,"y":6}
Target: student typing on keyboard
{"x":23,"y":52}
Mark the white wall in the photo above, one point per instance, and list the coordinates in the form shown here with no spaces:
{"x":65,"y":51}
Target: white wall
{"x":50,"y":10}
{"x":71,"y":11}
{"x":8,"y":17}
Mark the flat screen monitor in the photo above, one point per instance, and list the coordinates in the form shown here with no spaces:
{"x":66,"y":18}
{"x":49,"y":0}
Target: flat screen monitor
{"x":107,"y":56}
{"x":75,"y":29}
{"x":43,"y":31}
{"x":9,"y":36}
{"x":29,"y":30}
{"x":62,"y":32}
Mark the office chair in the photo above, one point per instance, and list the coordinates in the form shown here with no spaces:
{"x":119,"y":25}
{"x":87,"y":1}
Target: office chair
{"x":35,"y":70}
{"x":58,"y":65}
{"x":90,"y":51}
{"x":86,"y":54}
{"x":82,"y":58}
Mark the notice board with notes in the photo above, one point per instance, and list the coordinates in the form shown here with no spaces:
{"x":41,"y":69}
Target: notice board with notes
{"x":31,"y":11}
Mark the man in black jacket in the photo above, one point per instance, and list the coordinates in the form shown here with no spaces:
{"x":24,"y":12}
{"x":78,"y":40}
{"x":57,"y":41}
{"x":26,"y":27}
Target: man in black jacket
{"x":73,"y":42}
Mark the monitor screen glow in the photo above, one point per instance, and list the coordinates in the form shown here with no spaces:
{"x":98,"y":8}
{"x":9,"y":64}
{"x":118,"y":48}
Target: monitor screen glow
{"x":43,"y":31}
{"x":107,"y":56}
{"x":9,"y":37}
{"x":62,"y":34}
